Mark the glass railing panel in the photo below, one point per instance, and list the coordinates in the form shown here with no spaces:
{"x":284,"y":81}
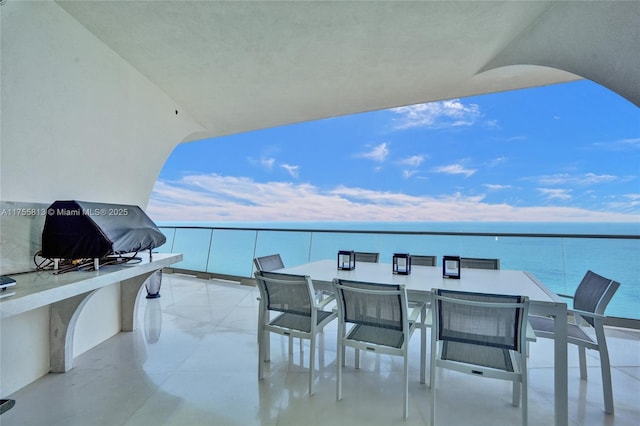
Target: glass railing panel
{"x":193,"y":243}
{"x":618,"y":260}
{"x":232,"y":252}
{"x":558,"y":262}
{"x":543,"y":257}
{"x":327,"y":244}
{"x":440,"y":245}
{"x":532,"y":254}
{"x":292,"y":246}
{"x":401,"y":243}
{"x":169,"y":233}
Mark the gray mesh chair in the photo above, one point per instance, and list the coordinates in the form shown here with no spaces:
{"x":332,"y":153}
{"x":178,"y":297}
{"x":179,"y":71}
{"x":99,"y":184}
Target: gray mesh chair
{"x":271,"y":263}
{"x":589,"y":303}
{"x":478,"y":263}
{"x":362,"y":256}
{"x":268,"y":263}
{"x":422,"y":260}
{"x":482,"y":335}
{"x":299,"y":314}
{"x":375,"y":318}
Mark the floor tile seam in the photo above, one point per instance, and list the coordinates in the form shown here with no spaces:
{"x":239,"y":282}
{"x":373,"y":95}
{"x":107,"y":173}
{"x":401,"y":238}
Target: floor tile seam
{"x":621,"y":370}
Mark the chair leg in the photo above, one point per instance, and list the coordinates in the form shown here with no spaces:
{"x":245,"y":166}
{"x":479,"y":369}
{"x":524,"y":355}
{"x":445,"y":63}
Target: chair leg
{"x":406,"y":385}
{"x":312,"y":359}
{"x":432,"y":360}
{"x":432,"y":384}
{"x":339,"y":364}
{"x":605,"y":368}
{"x":266,"y":342}
{"x":261,"y":350}
{"x":525,"y":404}
{"x":524,"y":383}
{"x":583,"y":362}
{"x":423,"y":346}
{"x":357,"y":358}
{"x":342,"y":348}
{"x":515,"y":393}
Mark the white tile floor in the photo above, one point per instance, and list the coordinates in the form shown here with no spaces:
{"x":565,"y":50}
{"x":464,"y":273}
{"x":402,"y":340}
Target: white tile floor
{"x":193,"y":361}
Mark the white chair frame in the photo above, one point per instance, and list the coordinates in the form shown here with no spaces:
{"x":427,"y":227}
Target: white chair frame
{"x":266,"y":325}
{"x":409,"y":324}
{"x":518,"y":357}
{"x":580,"y":333}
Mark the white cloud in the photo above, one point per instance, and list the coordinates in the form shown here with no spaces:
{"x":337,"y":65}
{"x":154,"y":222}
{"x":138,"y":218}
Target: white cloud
{"x":219,"y":198}
{"x":497,"y":161}
{"x":626,"y":144}
{"x":567,"y":179}
{"x":267,"y":162}
{"x":292,"y":170}
{"x":455,"y":169}
{"x":555,"y":193}
{"x":413,"y":161}
{"x":408,"y":173}
{"x":625,"y":203}
{"x":443,"y":114}
{"x":496,"y":187}
{"x":378,"y":153}
{"x":592,"y":178}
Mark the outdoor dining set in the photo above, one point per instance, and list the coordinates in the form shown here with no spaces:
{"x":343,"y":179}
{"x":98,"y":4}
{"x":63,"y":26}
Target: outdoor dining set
{"x":481,"y":318}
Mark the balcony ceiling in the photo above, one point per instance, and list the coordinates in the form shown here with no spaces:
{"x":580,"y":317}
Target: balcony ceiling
{"x":240,"y":66}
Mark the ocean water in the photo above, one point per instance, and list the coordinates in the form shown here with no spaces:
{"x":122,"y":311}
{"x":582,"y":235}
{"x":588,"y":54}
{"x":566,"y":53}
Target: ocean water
{"x":560,"y":263}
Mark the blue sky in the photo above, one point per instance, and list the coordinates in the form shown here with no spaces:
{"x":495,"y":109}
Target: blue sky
{"x":568,"y":152}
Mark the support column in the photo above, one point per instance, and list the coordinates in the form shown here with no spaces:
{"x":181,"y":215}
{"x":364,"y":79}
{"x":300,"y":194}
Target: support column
{"x":62,"y":324}
{"x":129,"y":291}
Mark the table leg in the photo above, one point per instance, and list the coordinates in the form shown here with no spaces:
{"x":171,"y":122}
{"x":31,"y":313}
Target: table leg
{"x":560,"y":366}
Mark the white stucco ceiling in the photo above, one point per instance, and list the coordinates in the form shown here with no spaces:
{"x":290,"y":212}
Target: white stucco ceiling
{"x":239,"y":66}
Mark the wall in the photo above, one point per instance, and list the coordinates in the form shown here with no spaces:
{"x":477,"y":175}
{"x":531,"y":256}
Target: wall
{"x":76,"y":122}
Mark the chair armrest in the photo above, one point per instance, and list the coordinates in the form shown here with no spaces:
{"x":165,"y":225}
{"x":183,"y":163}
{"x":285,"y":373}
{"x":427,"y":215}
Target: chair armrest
{"x":531,"y":334}
{"x":586,"y":314}
{"x":428,"y":321}
{"x":415,"y":311}
{"x":326,"y":300}
{"x":566,"y":296}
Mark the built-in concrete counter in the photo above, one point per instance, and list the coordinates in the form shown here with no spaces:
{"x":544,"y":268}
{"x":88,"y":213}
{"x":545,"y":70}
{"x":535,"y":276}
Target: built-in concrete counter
{"x":67,"y":293}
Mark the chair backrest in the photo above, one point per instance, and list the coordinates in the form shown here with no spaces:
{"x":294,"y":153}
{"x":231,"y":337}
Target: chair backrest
{"x":362,"y":256}
{"x":594,"y":294}
{"x":268,"y":263}
{"x":371,"y":304}
{"x":477,"y":263}
{"x":285,"y":292}
{"x":422,"y":260}
{"x":493,"y":320}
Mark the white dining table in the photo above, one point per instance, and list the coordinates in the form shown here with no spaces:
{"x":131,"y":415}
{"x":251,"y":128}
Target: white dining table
{"x":423,"y":279}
